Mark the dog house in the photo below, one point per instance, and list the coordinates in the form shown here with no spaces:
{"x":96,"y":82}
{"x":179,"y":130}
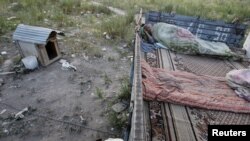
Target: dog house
{"x":37,"y":41}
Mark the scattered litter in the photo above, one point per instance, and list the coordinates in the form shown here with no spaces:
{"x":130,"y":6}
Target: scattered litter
{"x":3,"y":111}
{"x":124,"y":59}
{"x":119,"y":107}
{"x":114,"y":139}
{"x":20,"y":115}
{"x":83,"y":121}
{"x":11,"y":18}
{"x":131,"y":58}
{"x":73,"y":55}
{"x":5,"y":123}
{"x":30,"y":62}
{"x":3,"y":52}
{"x":5,"y":73}
{"x":12,"y":5}
{"x":6,"y":131}
{"x":46,"y":20}
{"x":66,"y":65}
{"x":85,"y":57}
{"x":105,"y":34}
{"x":15,"y":86}
{"x":125,"y":45}
{"x":98,"y":15}
{"x":107,"y":37}
{"x":104,"y":49}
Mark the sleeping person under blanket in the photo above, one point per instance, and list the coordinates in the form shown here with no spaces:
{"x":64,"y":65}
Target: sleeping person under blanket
{"x":181,"y":40}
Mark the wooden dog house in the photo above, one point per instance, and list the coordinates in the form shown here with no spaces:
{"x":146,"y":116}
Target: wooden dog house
{"x":37,"y":41}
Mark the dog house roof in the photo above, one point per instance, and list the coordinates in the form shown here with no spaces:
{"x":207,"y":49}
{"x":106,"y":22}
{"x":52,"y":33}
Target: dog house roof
{"x":32,"y":34}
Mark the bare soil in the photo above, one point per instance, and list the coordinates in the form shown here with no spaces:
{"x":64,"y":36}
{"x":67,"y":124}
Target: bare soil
{"x":56,"y":96}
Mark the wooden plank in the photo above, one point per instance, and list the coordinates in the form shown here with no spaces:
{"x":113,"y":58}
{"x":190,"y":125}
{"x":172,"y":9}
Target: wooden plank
{"x":167,"y":115}
{"x":167,"y":118}
{"x":246,"y":45}
{"x":168,"y":123}
{"x":181,"y":123}
{"x":147,"y":121}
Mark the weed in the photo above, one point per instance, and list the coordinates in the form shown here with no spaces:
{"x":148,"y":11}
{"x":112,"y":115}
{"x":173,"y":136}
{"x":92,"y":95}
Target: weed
{"x":1,"y":59}
{"x":118,"y":26}
{"x":125,"y":90}
{"x":95,"y":9}
{"x":99,"y":92}
{"x":119,"y":121}
{"x":17,"y":59}
{"x":111,"y":59}
{"x":89,"y":48}
{"x":107,"y":80}
{"x":94,"y":51}
{"x":211,"y":9}
{"x":70,"y":6}
{"x":6,"y":25}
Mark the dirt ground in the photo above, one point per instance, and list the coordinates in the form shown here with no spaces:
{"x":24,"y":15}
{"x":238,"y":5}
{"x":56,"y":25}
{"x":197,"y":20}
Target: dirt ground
{"x":56,"y":96}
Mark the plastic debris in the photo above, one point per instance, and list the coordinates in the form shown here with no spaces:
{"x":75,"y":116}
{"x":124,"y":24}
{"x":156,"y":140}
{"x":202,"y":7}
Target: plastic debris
{"x":20,"y":114}
{"x":105,"y":34}
{"x":66,"y":65}
{"x":30,"y":62}
{"x":3,"y":111}
{"x":3,"y":53}
{"x":104,"y":49}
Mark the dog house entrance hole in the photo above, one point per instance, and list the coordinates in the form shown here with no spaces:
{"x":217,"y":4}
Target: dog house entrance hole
{"x":51,"y":50}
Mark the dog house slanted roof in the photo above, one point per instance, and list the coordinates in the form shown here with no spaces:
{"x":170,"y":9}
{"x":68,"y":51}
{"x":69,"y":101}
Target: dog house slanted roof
{"x":37,"y":41}
{"x":32,"y":34}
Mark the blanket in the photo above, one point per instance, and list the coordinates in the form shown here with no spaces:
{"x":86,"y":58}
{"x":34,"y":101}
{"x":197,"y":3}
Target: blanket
{"x":189,"y":89}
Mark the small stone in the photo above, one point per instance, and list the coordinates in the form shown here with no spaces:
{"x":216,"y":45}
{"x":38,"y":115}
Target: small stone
{"x":119,"y":107}
{"x":73,"y":55}
{"x":104,"y":49}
